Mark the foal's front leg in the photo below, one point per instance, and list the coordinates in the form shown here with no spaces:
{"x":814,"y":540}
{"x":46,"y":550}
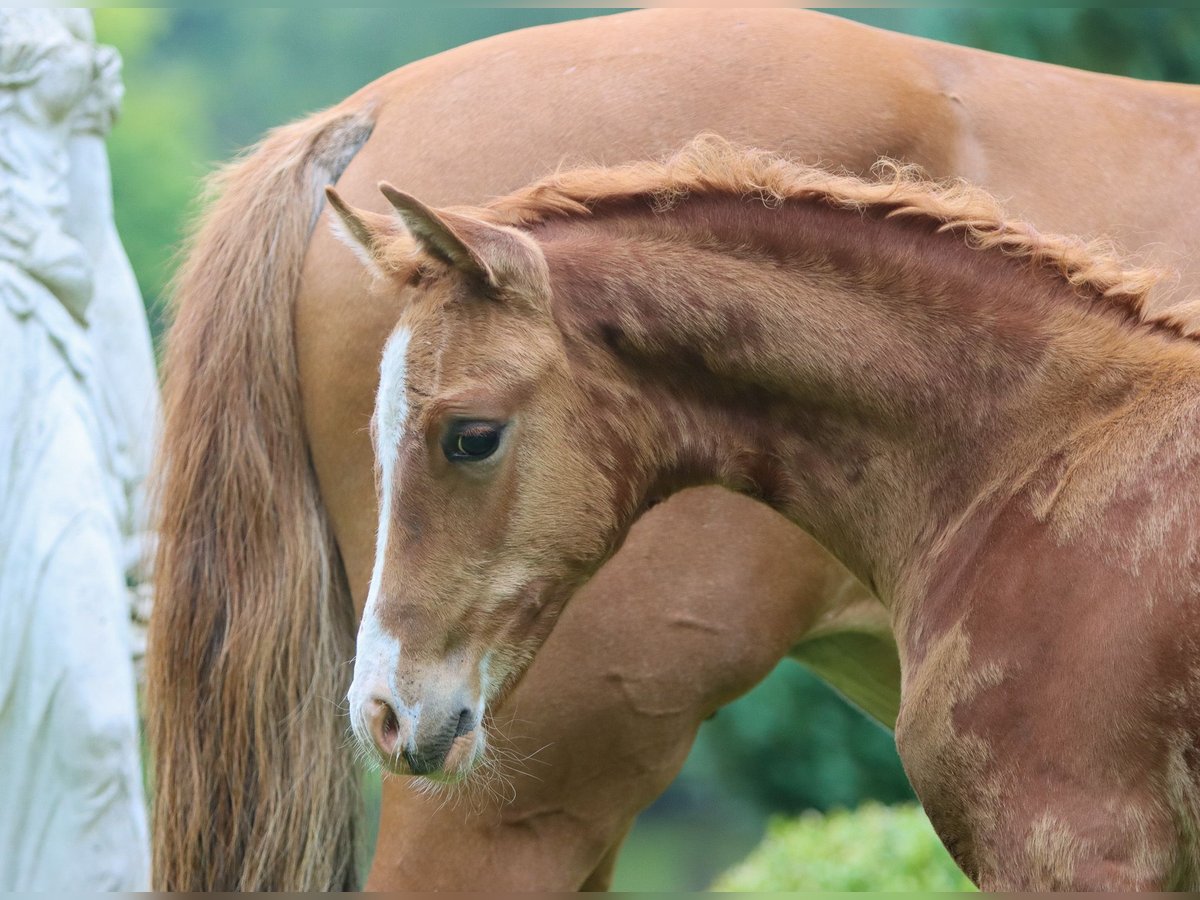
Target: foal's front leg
{"x":1037,"y":779}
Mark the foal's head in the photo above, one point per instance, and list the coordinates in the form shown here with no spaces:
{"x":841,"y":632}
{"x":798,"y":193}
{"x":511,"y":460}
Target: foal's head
{"x":494,"y":502}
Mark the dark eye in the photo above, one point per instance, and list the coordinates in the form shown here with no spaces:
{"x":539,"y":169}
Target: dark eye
{"x":471,"y":441}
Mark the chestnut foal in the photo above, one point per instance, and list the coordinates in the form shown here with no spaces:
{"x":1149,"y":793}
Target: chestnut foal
{"x":994,"y":434}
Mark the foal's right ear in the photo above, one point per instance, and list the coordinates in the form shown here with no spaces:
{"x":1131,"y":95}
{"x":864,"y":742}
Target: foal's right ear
{"x":368,"y":234}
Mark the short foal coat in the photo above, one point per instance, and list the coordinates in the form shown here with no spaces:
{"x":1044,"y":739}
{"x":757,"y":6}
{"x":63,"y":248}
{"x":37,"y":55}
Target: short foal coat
{"x":995,"y":437}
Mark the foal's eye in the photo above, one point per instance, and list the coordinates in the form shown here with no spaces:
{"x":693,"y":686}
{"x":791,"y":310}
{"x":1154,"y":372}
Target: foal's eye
{"x":471,"y":441}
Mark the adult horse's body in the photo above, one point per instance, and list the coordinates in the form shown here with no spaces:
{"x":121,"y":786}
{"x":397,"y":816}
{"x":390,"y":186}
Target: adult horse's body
{"x":254,"y":621}
{"x":999,"y":439}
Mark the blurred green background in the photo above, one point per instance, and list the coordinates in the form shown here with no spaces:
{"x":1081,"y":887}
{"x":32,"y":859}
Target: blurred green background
{"x":203,"y":83}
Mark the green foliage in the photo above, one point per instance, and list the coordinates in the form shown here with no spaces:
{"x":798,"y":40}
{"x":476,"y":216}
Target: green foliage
{"x":133,"y":30}
{"x":157,"y":147}
{"x":1158,"y":44}
{"x":794,"y":744}
{"x":156,"y":178}
{"x":873,"y":848}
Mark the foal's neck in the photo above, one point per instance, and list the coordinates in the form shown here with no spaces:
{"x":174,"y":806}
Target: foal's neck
{"x":871,"y":379}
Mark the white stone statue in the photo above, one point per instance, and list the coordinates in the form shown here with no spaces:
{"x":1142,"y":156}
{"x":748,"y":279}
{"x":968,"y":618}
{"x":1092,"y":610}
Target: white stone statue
{"x":78,"y":403}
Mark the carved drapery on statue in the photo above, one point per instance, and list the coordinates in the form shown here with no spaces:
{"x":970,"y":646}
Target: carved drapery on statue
{"x":78,"y":403}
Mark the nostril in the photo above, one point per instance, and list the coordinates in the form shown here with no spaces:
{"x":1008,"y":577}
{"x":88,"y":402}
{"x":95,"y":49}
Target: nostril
{"x":385,"y":725}
{"x":465,"y":724}
{"x":390,"y":725}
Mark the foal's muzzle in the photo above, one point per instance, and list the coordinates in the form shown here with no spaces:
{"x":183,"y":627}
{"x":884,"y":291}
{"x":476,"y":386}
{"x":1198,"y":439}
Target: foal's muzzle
{"x":418,"y":740}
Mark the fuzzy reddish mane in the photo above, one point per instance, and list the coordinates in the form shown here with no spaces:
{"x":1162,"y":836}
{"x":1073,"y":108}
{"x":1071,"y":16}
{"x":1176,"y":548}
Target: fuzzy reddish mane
{"x":711,"y":165}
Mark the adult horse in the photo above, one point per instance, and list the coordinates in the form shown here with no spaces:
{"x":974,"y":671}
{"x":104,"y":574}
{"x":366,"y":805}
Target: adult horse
{"x":998,"y":438}
{"x":268,"y":495}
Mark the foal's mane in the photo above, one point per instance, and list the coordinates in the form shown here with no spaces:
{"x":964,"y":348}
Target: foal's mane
{"x":711,"y":165}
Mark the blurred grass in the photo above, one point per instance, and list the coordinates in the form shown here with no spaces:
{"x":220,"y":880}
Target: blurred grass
{"x":872,"y":848}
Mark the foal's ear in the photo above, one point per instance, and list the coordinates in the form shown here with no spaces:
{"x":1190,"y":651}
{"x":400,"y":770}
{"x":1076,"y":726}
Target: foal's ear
{"x":368,"y":234}
{"x":500,"y":258}
{"x":436,"y":234}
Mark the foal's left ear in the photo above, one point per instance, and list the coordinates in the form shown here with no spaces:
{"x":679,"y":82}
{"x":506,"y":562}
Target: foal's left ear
{"x":368,"y":234}
{"x":500,"y":258}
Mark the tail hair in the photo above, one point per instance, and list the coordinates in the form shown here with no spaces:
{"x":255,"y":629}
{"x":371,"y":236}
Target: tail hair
{"x":253,"y":629}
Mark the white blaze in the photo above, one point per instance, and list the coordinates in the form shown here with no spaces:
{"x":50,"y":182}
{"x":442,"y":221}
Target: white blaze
{"x":391,"y":415}
{"x":377,"y":653}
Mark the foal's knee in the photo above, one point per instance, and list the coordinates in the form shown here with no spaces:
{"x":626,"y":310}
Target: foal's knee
{"x":1108,"y":844}
{"x":1075,"y":844}
{"x":1082,"y":874}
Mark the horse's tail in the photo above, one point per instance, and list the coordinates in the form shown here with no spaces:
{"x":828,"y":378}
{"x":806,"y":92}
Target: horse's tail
{"x":252,"y":629}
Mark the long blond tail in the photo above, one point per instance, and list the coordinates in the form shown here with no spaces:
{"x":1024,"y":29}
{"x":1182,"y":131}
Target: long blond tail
{"x":252,"y":629}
